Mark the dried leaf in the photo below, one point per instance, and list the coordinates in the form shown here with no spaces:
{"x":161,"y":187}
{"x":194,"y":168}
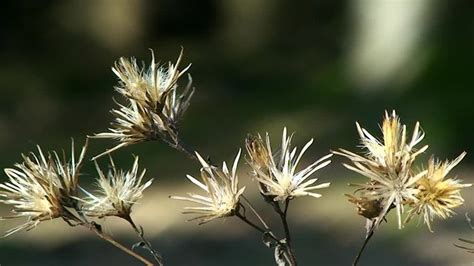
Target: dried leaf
{"x":279,"y":255}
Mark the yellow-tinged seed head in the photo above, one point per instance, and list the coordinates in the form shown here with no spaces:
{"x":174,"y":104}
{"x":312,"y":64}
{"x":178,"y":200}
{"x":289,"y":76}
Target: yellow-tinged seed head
{"x":438,"y":194}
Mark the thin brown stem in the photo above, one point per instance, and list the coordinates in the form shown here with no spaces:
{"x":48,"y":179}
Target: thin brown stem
{"x":367,"y":238}
{"x":268,"y":230}
{"x":284,"y":220}
{"x":180,"y":146}
{"x":255,"y":212}
{"x":96,"y":228}
{"x":158,"y":258}
{"x":256,"y":227}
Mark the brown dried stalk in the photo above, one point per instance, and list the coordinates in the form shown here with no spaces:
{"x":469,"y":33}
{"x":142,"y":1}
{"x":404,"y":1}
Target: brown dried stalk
{"x":97,"y":229}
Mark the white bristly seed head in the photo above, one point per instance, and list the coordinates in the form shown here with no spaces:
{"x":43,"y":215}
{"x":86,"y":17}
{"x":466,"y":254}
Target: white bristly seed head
{"x":117,"y":192}
{"x":154,"y":106}
{"x":277,"y":173}
{"x":221,"y":189}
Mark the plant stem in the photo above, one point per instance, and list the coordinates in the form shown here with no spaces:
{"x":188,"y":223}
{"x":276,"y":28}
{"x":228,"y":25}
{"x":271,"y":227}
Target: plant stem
{"x":158,"y":258}
{"x":285,"y":221}
{"x":247,"y":221}
{"x":289,"y":257}
{"x":255,"y":212}
{"x":367,"y":238}
{"x":283,"y":216}
{"x":96,"y":228}
{"x":180,"y":146}
{"x":256,"y":227}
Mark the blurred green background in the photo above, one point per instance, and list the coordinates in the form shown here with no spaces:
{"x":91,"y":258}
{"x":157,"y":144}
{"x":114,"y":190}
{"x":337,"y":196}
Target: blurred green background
{"x":258,"y":65}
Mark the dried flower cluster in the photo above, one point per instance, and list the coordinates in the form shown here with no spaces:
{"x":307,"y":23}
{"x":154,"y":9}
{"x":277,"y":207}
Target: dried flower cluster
{"x":278,"y":180}
{"x":393,"y":180}
{"x":277,"y":177}
{"x":277,"y":173}
{"x":44,"y":187}
{"x":154,"y":106}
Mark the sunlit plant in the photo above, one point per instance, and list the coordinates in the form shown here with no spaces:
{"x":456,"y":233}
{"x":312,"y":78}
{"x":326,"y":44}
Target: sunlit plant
{"x":152,"y":103}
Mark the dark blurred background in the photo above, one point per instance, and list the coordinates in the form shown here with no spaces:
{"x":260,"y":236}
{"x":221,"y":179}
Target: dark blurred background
{"x":258,"y":65}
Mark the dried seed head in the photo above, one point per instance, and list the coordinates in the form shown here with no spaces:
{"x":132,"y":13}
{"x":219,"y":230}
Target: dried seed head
{"x":222,"y":192}
{"x":154,"y":105}
{"x":277,"y":173}
{"x":117,"y":192}
{"x":42,"y":188}
{"x":438,"y":195}
{"x":150,"y":87}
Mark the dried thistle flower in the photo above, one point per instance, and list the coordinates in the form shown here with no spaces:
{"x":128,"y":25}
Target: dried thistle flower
{"x":437,"y":195}
{"x":388,"y":165}
{"x":150,"y":87}
{"x":42,"y":188}
{"x":154,"y":105}
{"x":277,"y":174}
{"x":117,"y":191}
{"x":222,"y":189}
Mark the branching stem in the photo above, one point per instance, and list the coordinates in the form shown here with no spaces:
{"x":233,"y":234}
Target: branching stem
{"x":255,"y":212}
{"x":158,"y":258}
{"x":96,"y":228}
{"x":256,"y":227}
